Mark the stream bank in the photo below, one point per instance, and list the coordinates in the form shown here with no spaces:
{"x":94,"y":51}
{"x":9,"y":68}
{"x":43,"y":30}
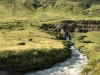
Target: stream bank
{"x":71,"y":66}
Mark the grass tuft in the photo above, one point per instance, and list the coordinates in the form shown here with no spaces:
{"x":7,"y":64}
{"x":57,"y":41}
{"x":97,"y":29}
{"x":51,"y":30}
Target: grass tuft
{"x":21,"y":43}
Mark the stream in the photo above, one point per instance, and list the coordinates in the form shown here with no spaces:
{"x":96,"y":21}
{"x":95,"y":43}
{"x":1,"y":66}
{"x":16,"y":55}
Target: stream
{"x":72,"y":66}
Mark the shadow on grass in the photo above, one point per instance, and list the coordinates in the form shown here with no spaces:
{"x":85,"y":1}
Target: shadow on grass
{"x":87,"y":41}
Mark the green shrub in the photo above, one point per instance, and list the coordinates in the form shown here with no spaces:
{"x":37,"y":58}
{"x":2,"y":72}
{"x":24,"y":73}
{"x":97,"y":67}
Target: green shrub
{"x":47,"y":26}
{"x":35,"y":53}
{"x":30,"y":40}
{"x":60,"y":36}
{"x":66,"y":44}
{"x":85,"y":5}
{"x":21,"y":43}
{"x":32,"y":59}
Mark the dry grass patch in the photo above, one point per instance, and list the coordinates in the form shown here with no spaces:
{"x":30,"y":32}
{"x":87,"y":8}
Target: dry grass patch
{"x":39,"y":38}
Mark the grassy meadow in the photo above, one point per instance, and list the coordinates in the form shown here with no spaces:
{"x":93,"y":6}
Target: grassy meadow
{"x":21,"y":37}
{"x":89,"y":43}
{"x":46,"y":10}
{"x":39,"y":39}
{"x":26,"y":47}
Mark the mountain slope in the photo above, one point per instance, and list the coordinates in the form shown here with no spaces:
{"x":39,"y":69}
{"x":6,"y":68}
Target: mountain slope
{"x":50,"y":9}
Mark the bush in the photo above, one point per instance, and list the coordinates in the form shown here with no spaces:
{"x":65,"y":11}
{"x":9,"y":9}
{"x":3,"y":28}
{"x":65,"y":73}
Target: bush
{"x":66,"y":44}
{"x":60,"y":37}
{"x":32,"y":59}
{"x":35,"y":53}
{"x":30,"y":40}
{"x":47,"y":26}
{"x":85,"y":5}
{"x":21,"y":43}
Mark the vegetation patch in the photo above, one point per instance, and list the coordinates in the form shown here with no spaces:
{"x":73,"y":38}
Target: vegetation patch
{"x":13,"y":38}
{"x":97,"y":48}
{"x":87,"y":41}
{"x":60,"y":36}
{"x":81,"y":37}
{"x":92,"y":49}
{"x":66,"y":44}
{"x":32,"y":59}
{"x":21,"y":43}
{"x":18,"y":52}
{"x":30,"y":40}
{"x":49,"y":28}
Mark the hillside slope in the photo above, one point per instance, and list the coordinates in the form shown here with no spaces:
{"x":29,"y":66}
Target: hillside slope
{"x":50,"y":9}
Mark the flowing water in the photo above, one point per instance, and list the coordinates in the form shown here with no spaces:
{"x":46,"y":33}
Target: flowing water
{"x":72,"y":66}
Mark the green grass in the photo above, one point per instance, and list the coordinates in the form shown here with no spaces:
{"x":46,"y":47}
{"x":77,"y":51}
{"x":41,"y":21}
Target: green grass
{"x":39,"y":39}
{"x":48,"y":10}
{"x":25,"y":46}
{"x":32,"y":59}
{"x":32,"y":13}
{"x":91,"y":49}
